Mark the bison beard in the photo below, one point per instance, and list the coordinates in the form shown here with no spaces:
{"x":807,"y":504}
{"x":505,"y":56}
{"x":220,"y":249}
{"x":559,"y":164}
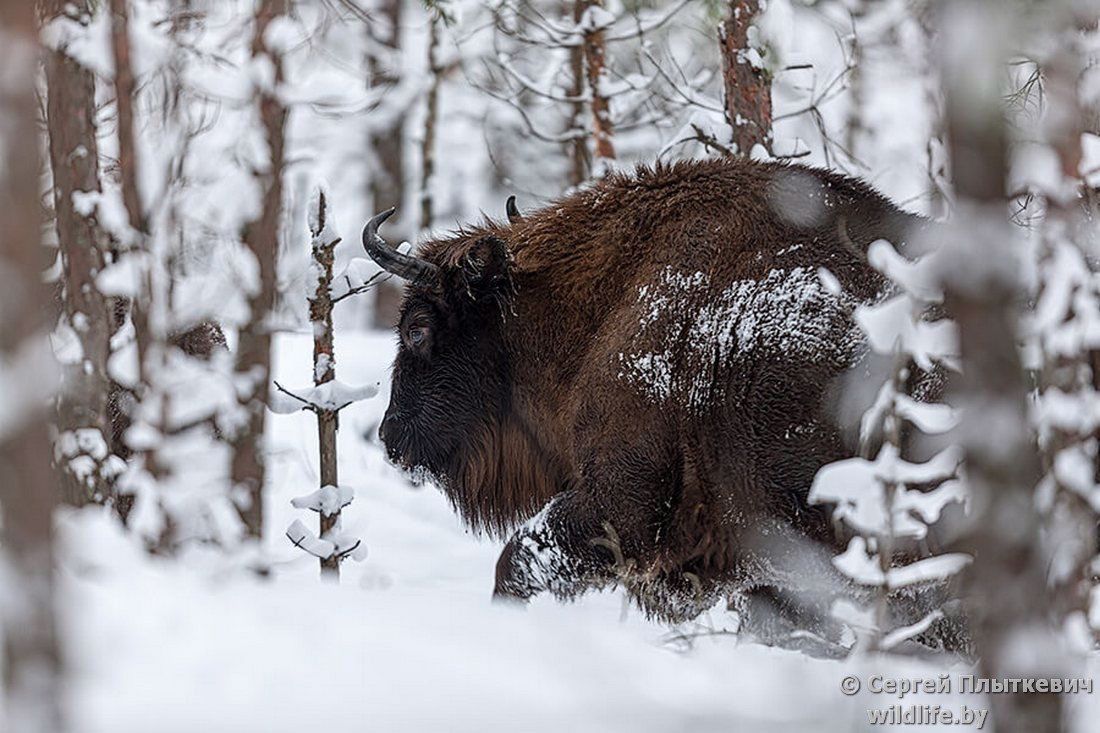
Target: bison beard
{"x":639,"y":376}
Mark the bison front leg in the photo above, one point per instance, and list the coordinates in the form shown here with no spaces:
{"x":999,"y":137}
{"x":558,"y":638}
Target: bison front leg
{"x":564,"y":549}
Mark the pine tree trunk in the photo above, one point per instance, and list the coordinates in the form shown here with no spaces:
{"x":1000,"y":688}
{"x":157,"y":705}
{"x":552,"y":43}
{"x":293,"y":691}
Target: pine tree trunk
{"x":124,"y":106}
{"x":937,"y":162}
{"x":74,"y":161}
{"x":387,"y":173}
{"x":855,"y":128}
{"x":577,"y":148}
{"x":1007,"y":580}
{"x":748,"y":89}
{"x":253,"y":364}
{"x":431,"y":121}
{"x":31,"y":654}
{"x":141,"y":306}
{"x":324,"y":371}
{"x":595,"y":62}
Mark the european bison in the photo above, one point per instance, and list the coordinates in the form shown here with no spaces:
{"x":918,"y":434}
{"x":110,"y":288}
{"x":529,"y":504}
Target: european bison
{"x":638,"y":377}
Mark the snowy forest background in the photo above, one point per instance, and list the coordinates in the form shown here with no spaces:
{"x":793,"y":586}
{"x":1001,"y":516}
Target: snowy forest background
{"x":191,"y":176}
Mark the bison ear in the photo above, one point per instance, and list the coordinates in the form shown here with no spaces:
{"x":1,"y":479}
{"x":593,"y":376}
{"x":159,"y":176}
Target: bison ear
{"x":486,"y":270}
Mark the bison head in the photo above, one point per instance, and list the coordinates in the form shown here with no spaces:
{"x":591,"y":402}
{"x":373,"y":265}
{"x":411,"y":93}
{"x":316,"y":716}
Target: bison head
{"x":450,"y":378}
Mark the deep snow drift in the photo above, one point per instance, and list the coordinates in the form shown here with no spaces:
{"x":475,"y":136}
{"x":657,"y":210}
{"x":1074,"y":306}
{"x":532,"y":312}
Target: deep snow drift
{"x":409,"y":641}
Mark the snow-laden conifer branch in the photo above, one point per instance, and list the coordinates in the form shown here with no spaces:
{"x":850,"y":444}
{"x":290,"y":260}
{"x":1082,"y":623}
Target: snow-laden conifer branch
{"x":887,"y":502}
{"x":326,"y":500}
{"x":304,"y":539}
{"x":332,"y":396}
{"x":1063,"y":330}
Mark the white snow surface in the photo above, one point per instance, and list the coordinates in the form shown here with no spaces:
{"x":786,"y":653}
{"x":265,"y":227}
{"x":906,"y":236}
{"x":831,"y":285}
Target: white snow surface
{"x":409,"y":640}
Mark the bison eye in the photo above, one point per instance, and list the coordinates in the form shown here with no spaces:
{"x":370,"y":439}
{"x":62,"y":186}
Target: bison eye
{"x":417,"y":336}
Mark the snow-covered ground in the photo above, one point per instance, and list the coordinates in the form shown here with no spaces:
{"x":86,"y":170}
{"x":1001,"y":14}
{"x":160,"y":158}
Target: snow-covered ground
{"x":409,"y":640}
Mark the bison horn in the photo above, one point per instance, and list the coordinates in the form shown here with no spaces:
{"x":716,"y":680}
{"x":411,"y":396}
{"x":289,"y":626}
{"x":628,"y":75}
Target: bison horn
{"x":513,"y":210}
{"x":389,"y":259}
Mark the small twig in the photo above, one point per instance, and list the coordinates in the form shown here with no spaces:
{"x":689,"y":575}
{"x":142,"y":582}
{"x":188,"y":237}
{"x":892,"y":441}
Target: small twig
{"x":313,"y":406}
{"x":641,"y":28}
{"x":298,"y":544}
{"x":345,"y":553}
{"x":374,"y":280}
{"x":687,"y":637}
{"x":709,"y":141}
{"x":529,"y":124}
{"x":792,"y":156}
{"x":308,"y":405}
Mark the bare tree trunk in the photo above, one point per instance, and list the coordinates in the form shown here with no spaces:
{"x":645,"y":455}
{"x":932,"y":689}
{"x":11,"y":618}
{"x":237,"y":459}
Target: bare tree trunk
{"x":142,"y":305}
{"x":855,"y":129}
{"x":577,"y":148}
{"x":435,"y":69}
{"x":387,"y":177}
{"x":387,"y":174}
{"x":1007,"y":579}
{"x":595,"y":62}
{"x":253,"y":365}
{"x":939,"y":204}
{"x":324,"y":369}
{"x":124,"y":105}
{"x":74,"y":158}
{"x":748,"y":88}
{"x":31,"y":656}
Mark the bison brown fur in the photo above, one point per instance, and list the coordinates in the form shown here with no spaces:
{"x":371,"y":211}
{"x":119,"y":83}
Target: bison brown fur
{"x":636,"y":379}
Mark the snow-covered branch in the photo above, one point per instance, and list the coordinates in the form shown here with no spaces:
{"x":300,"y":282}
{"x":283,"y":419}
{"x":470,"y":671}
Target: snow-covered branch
{"x":887,"y":502}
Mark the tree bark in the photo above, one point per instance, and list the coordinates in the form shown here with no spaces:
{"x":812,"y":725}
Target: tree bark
{"x":577,"y":148}
{"x":124,"y":106}
{"x":74,"y":160}
{"x":141,"y":306}
{"x":939,"y":205}
{"x":595,"y":62}
{"x":1007,"y":581}
{"x":748,"y":87}
{"x":431,"y":119}
{"x":32,"y":658}
{"x":387,"y":173}
{"x":387,"y":176}
{"x":855,"y":129}
{"x":324,"y":371}
{"x":253,"y":365}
